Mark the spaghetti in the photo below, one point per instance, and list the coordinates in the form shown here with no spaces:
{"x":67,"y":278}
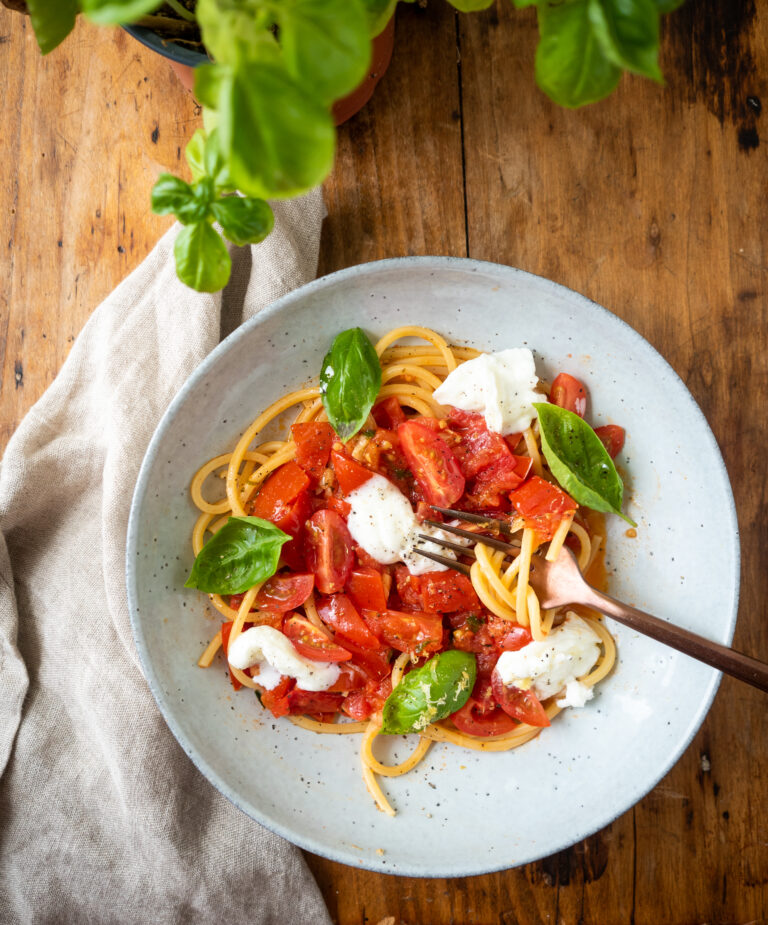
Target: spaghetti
{"x":507,"y":612}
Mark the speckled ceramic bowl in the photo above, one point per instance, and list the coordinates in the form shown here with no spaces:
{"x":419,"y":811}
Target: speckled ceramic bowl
{"x":459,"y":812}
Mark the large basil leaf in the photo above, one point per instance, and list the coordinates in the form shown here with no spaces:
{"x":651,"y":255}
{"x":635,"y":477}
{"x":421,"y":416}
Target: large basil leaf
{"x":379,"y":13}
{"x":110,"y":12}
{"x":232,"y":31}
{"x":189,"y":203}
{"x":52,"y":21}
{"x":579,"y":461}
{"x":571,"y":66}
{"x":628,"y":33}
{"x":202,"y":259}
{"x":430,"y":693}
{"x":326,"y":43}
{"x":243,"y":221}
{"x":350,"y":380}
{"x":278,"y":142}
{"x":244,"y":552}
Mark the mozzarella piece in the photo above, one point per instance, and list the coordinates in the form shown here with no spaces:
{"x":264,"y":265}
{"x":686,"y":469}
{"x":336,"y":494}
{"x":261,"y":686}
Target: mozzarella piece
{"x":383,"y":523}
{"x":275,"y":656}
{"x":568,"y":653}
{"x":498,"y":385}
{"x":576,"y":695}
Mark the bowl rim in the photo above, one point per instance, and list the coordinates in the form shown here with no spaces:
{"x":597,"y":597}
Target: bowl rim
{"x":199,"y":374}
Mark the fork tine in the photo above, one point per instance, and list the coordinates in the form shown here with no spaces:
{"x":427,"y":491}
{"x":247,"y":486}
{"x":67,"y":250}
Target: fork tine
{"x":443,"y":560}
{"x":475,"y":537}
{"x":456,"y":547}
{"x":490,"y":522}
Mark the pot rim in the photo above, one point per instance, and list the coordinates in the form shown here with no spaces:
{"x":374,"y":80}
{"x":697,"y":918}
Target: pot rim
{"x":170,"y":50}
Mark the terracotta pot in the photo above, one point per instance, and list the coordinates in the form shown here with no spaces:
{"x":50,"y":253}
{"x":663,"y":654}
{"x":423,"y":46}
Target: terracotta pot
{"x":183,"y":61}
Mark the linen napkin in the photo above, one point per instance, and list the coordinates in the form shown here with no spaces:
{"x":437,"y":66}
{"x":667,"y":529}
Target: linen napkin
{"x":103,"y":818}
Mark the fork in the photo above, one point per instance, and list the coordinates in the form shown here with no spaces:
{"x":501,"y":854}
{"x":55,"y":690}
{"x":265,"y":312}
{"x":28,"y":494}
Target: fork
{"x":560,"y":582}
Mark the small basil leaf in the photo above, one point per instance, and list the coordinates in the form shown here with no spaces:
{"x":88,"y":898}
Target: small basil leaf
{"x":628,"y":33}
{"x":579,"y":461}
{"x":242,"y":553}
{"x":571,"y":66}
{"x":52,"y":21}
{"x":202,"y":259}
{"x":350,"y":380}
{"x":326,"y":43}
{"x":195,"y":154}
{"x":243,"y":221}
{"x":111,"y":12}
{"x":430,"y":693}
{"x":215,"y":165}
{"x":278,"y":141}
{"x":189,"y":203}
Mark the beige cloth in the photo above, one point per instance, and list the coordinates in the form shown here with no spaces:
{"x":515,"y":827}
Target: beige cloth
{"x":103,"y":818}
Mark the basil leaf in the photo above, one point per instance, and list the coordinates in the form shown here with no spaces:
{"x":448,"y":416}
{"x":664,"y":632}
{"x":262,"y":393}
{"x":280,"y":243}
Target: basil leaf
{"x":244,"y":221}
{"x":52,"y":21}
{"x":242,"y":553}
{"x":350,"y":380}
{"x":231,"y":31}
{"x":326,"y":43}
{"x":379,"y":13}
{"x":277,"y":141}
{"x":430,"y":693}
{"x":571,"y":66}
{"x":195,"y":154}
{"x":202,"y":259}
{"x":111,"y":12}
{"x":579,"y":461}
{"x":628,"y":33}
{"x":189,"y":203}
{"x":667,"y":6}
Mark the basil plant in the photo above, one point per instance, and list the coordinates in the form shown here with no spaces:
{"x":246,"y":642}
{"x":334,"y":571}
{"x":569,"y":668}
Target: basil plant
{"x":277,"y":67}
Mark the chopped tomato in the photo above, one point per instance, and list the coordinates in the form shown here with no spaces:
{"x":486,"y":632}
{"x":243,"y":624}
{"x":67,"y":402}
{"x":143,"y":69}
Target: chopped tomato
{"x":338,"y":612}
{"x":312,"y":643}
{"x":328,"y":550}
{"x":334,"y":503}
{"x":301,"y":701}
{"x":349,"y":473}
{"x":569,"y":393}
{"x":226,"y":629}
{"x":284,"y":592}
{"x":487,"y":634}
{"x":365,"y":560}
{"x":515,"y":639}
{"x":408,"y":588}
{"x":419,"y":633}
{"x":351,"y":678}
{"x":388,"y":413}
{"x":478,"y":447}
{"x":366,"y":589}
{"x":374,"y":662}
{"x":495,"y":481}
{"x":444,"y":592}
{"x":276,"y":700}
{"x":284,"y":500}
{"x":521,"y":705}
{"x":432,"y":463}
{"x":542,"y":505}
{"x":613,"y":438}
{"x":475,"y":719}
{"x":361,"y":704}
{"x":313,"y":446}
{"x":512,"y":440}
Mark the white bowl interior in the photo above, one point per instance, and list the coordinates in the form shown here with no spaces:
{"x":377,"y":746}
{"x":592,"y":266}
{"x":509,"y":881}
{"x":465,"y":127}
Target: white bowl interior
{"x":460,"y":812}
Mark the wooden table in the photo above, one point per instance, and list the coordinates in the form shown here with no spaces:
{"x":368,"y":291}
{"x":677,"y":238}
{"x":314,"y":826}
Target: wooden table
{"x":653,"y":203}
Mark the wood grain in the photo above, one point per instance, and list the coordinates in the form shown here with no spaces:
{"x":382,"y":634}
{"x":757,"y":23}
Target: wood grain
{"x":651,"y":203}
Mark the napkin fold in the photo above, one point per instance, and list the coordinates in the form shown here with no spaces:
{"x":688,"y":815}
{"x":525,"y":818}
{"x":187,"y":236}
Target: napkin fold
{"x":103,"y":818}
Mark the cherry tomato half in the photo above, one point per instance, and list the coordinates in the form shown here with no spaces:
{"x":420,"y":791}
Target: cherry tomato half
{"x":542,"y":505}
{"x":329,"y":550}
{"x":365,"y":587}
{"x":349,"y":473}
{"x":338,"y":612}
{"x":569,"y":393}
{"x":432,"y":463}
{"x":478,"y":447}
{"x":473,"y":720}
{"x":285,"y":591}
{"x":301,"y":701}
{"x":312,"y":643}
{"x":521,"y":705}
{"x":419,"y":633}
{"x":445,"y":592}
{"x":612,"y":437}
{"x":314,"y":440}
